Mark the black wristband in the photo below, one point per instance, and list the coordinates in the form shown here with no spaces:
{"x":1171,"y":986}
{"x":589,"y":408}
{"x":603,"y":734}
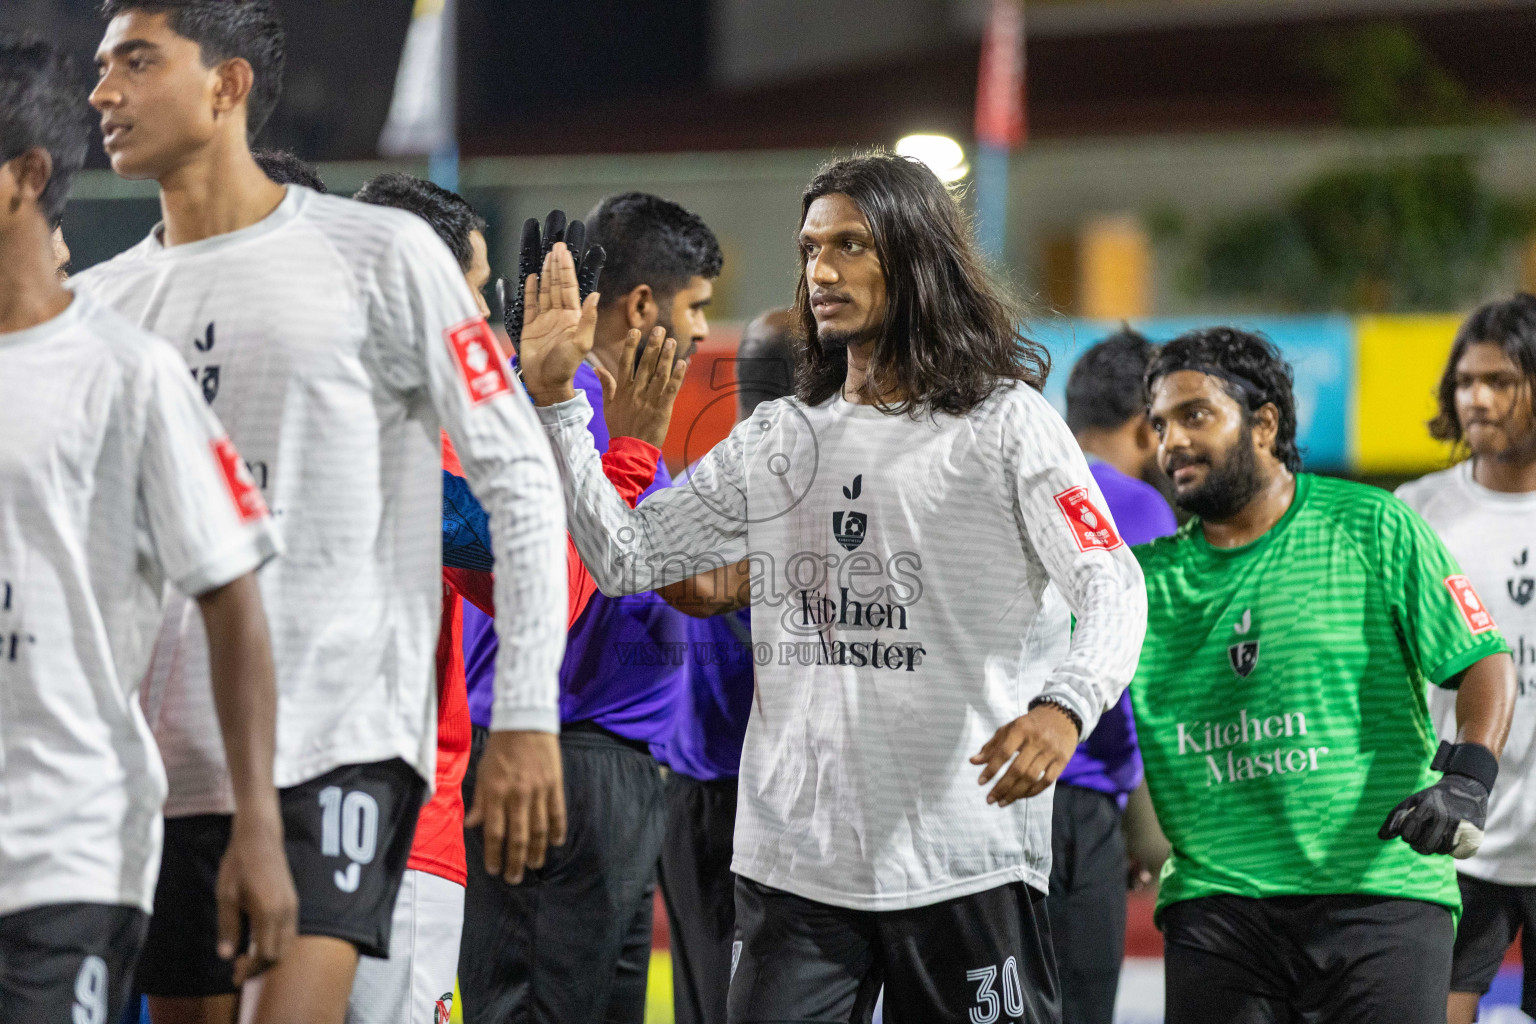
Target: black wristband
{"x":1059,"y":705}
{"x":1473,"y":760}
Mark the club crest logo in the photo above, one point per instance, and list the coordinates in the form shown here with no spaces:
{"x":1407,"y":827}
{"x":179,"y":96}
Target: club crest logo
{"x":442,"y":1012}
{"x":1522,"y":589}
{"x":210,"y":383}
{"x":850,"y":527}
{"x":1244,"y":655}
{"x":206,"y":377}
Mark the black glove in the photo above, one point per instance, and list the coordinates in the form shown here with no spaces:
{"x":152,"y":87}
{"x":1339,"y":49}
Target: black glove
{"x":589,"y":265}
{"x":1449,"y":816}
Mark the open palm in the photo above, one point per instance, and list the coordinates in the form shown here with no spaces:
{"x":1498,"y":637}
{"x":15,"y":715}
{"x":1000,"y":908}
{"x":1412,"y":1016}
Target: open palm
{"x":558,"y":336}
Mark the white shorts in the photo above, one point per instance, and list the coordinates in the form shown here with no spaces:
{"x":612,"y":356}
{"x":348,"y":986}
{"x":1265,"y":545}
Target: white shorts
{"x":415,"y":985}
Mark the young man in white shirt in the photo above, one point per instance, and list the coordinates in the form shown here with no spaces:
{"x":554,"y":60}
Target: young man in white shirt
{"x":334,"y":339}
{"x":1484,"y":509}
{"x":920,"y":523}
{"x":115,"y":479}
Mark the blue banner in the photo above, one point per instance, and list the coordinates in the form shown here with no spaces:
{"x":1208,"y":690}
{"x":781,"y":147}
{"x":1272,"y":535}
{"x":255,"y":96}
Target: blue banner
{"x":1320,"y":350}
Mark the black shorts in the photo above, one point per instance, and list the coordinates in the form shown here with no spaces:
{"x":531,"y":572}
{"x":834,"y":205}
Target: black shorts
{"x":1491,"y":916}
{"x":1086,"y":906}
{"x":1307,"y":960}
{"x":572,"y":941}
{"x":68,"y":963}
{"x":348,"y":836}
{"x":700,"y":894}
{"x":979,"y":959}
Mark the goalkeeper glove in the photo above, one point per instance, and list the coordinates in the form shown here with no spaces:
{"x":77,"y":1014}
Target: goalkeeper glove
{"x":1449,"y":816}
{"x":535,"y":246}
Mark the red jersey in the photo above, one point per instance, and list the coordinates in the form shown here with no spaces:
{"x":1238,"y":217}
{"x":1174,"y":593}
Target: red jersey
{"x":630,"y":464}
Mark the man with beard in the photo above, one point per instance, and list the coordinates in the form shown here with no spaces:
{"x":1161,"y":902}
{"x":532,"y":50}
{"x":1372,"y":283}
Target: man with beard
{"x":1292,"y":627}
{"x":1485,"y":511}
{"x":920,"y":523}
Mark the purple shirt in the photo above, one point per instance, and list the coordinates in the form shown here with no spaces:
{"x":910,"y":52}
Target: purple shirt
{"x":625,"y":658}
{"x":1109,"y":761}
{"x":709,"y":724}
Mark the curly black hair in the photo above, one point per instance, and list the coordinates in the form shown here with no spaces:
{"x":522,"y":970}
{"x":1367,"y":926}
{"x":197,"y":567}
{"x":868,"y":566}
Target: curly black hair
{"x":1251,"y":370}
{"x":1509,"y":324}
{"x":224,"y":30}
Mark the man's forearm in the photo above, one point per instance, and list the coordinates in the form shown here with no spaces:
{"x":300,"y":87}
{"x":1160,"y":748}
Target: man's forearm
{"x":712,"y":593}
{"x":611,"y":536}
{"x":244,"y":689}
{"x":530,"y":598}
{"x":1106,"y":641}
{"x":1485,"y":703}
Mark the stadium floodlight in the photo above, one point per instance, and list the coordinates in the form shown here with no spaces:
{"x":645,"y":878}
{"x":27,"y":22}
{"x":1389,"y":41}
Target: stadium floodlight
{"x":941,"y":153}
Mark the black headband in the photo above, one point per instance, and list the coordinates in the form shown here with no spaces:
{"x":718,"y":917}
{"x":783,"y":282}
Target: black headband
{"x":1250,"y":390}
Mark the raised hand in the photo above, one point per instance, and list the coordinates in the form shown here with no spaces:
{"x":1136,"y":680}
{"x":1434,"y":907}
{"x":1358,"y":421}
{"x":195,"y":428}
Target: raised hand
{"x":560,"y":334}
{"x":639,"y":403}
{"x":535,"y":248}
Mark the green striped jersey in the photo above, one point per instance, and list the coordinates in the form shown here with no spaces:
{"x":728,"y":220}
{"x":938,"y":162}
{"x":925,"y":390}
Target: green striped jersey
{"x":1280,"y":697}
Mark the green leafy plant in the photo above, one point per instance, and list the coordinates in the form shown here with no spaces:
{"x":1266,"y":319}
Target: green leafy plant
{"x":1404,"y":235}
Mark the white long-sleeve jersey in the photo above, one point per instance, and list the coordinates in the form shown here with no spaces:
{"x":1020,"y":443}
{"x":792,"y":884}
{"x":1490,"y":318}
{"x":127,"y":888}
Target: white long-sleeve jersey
{"x":332,"y":338}
{"x":1493,"y":536}
{"x":908,"y":586}
{"x":115,"y":479}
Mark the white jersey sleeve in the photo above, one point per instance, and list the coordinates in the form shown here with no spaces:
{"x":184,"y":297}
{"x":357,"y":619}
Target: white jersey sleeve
{"x":432,"y":340}
{"x":661,"y":541}
{"x":1493,"y":536}
{"x":203,"y":518}
{"x":1063,"y":517}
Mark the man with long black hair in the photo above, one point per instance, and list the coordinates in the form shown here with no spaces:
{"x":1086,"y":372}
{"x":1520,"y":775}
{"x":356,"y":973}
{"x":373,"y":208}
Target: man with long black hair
{"x":1292,"y":627}
{"x":906,"y":513}
{"x":1484,"y":508}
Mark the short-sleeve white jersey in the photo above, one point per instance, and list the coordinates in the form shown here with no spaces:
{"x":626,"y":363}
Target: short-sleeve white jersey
{"x":1493,"y":536}
{"x":333,"y":338}
{"x":912,"y":578}
{"x":115,"y":479}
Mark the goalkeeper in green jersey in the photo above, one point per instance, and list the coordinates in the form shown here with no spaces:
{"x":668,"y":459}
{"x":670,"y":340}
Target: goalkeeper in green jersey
{"x":1280,"y":703}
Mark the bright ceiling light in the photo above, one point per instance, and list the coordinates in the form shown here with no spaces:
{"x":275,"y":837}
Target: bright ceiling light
{"x":941,"y":153}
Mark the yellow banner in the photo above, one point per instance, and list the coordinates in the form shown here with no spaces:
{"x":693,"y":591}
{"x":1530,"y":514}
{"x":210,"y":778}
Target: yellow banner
{"x":1399,"y":360}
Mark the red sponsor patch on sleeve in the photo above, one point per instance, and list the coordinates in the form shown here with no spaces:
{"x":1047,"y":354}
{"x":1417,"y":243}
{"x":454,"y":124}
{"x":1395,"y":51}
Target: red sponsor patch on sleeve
{"x":1476,"y":614}
{"x":480,"y":364}
{"x":1091,"y":528}
{"x":242,"y":488}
